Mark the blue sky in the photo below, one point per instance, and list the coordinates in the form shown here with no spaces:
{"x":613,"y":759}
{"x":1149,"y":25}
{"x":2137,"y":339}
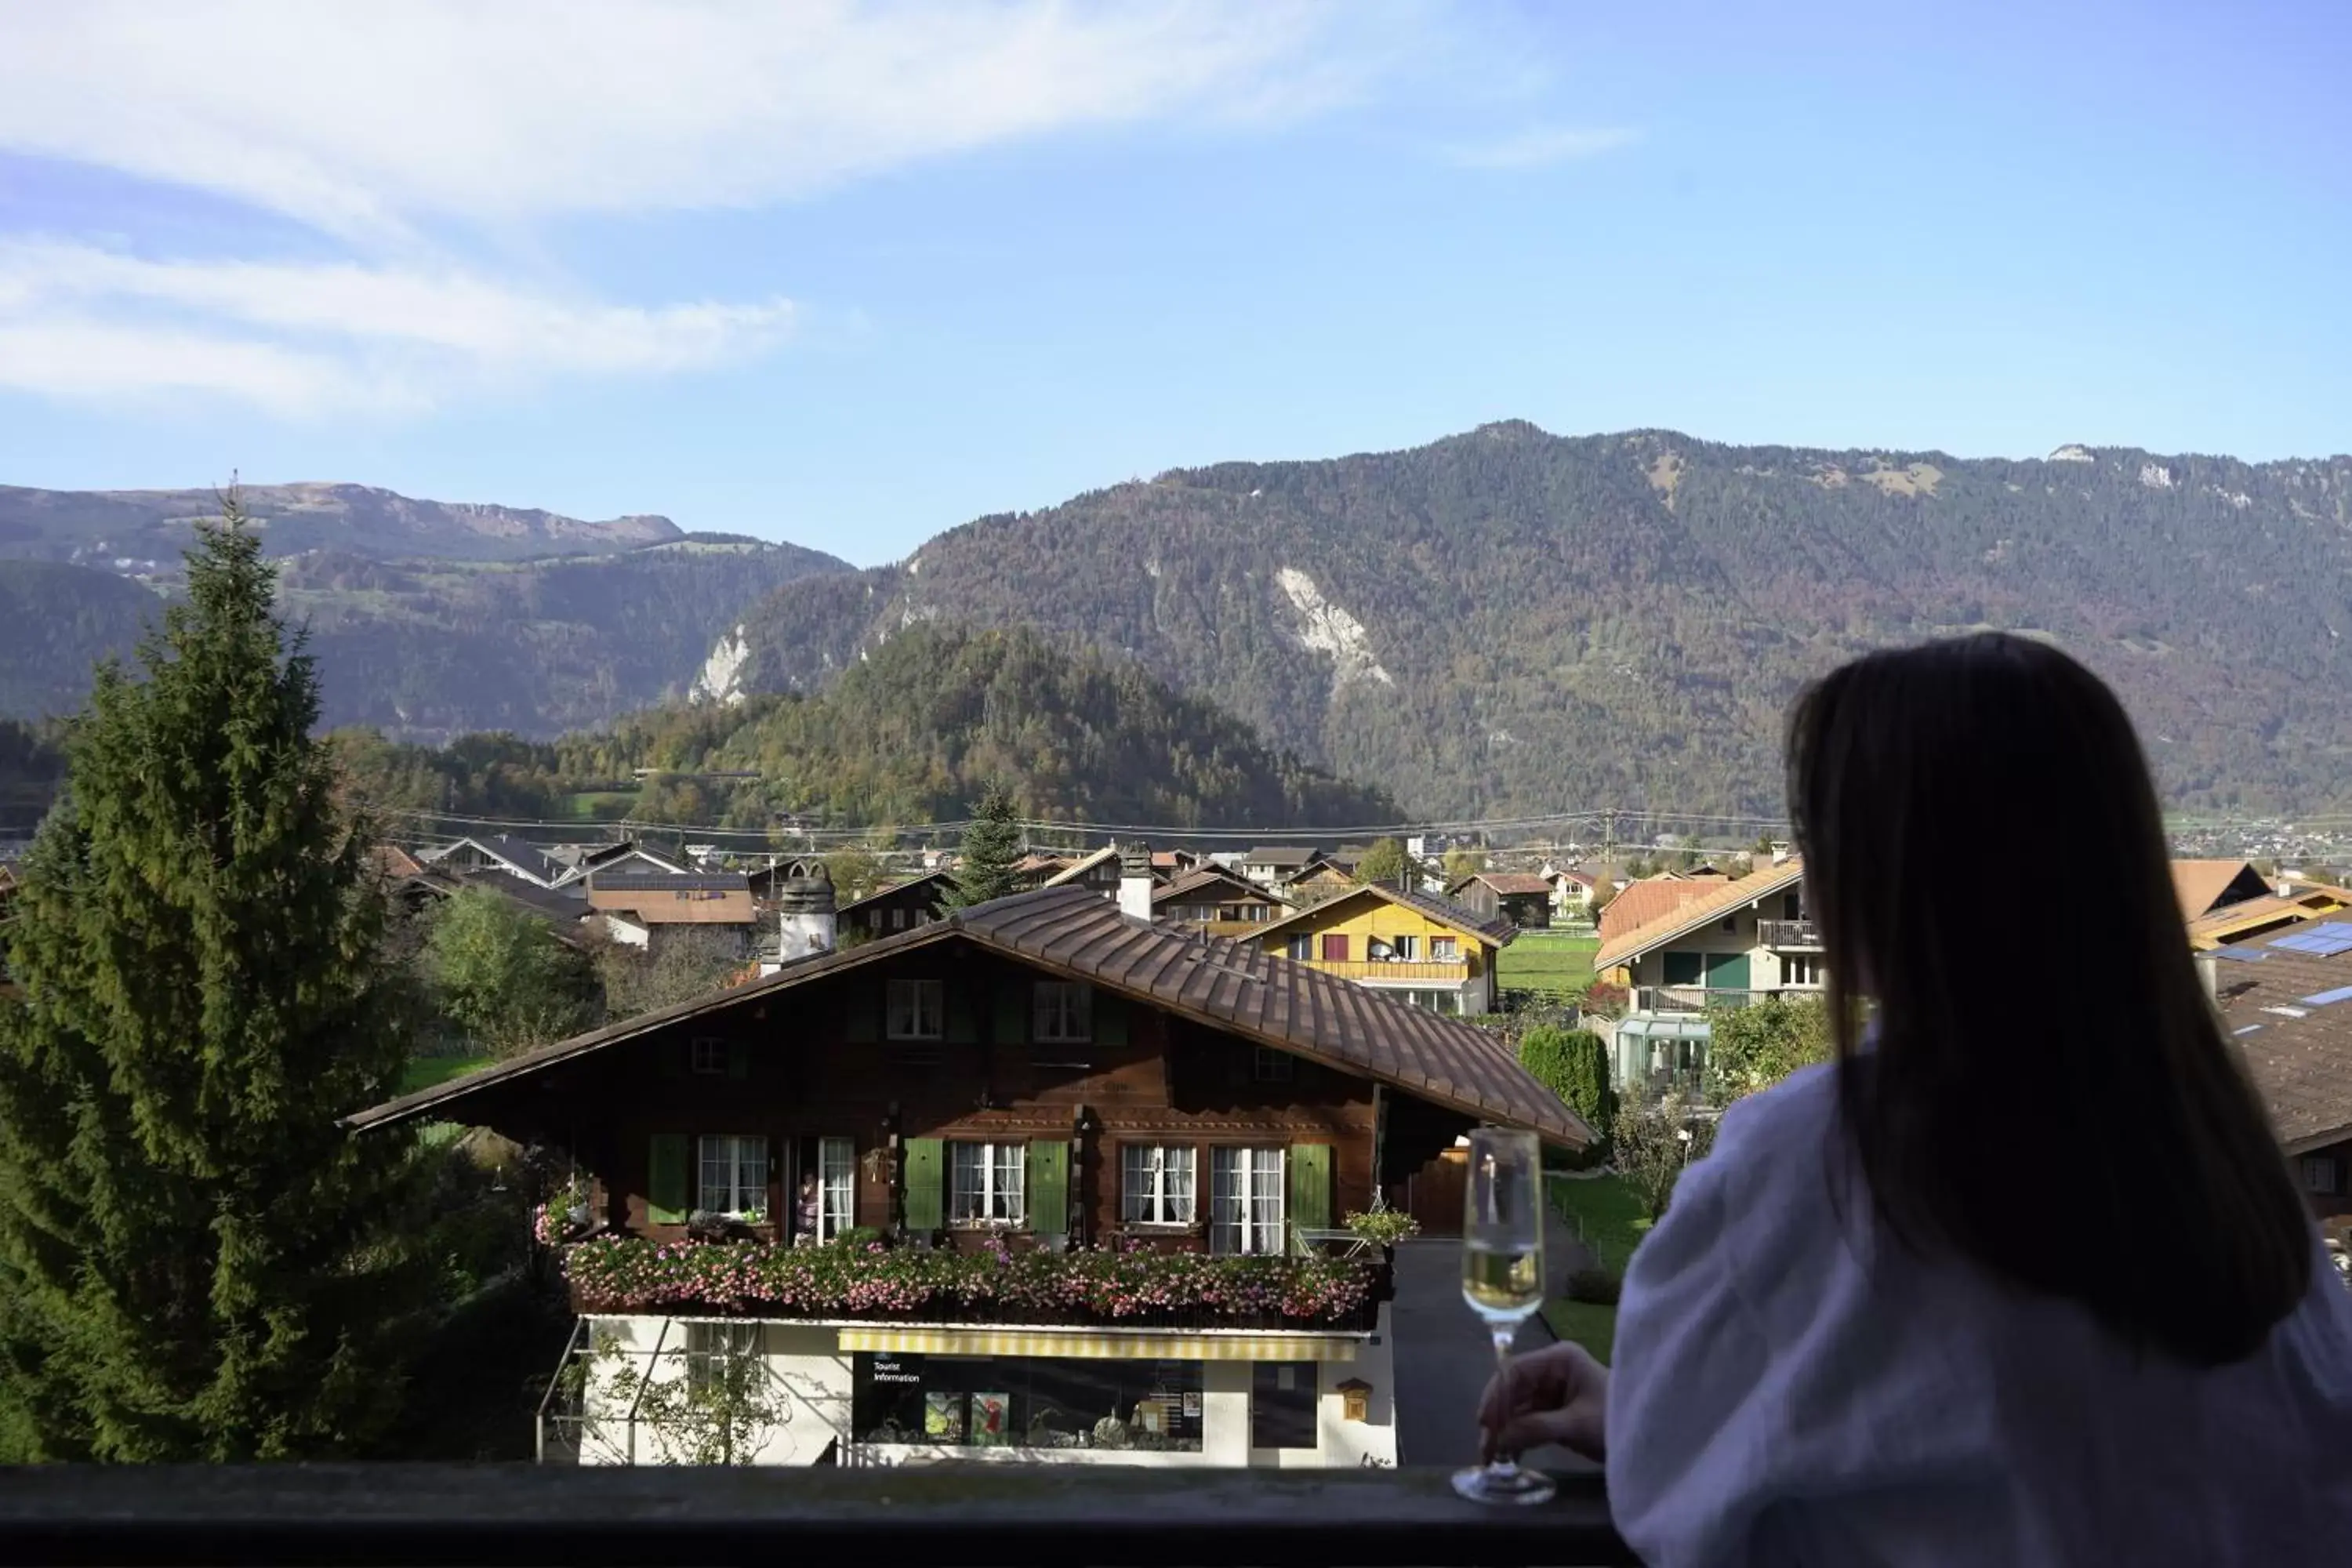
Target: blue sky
{"x":850,"y":274}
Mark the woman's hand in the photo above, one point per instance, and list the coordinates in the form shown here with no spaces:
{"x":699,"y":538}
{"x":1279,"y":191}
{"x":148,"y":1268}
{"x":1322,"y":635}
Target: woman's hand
{"x":1558,"y":1394}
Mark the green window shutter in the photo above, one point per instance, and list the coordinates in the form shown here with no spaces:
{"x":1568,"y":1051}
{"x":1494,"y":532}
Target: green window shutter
{"x":1110,"y":1019}
{"x":962,"y":1027}
{"x":1726,"y":970}
{"x":1049,"y":1188}
{"x":1012,"y":1012}
{"x":926,"y":1178}
{"x":666,"y":1202}
{"x":738,"y":1059}
{"x":863,"y":1026}
{"x":1310,"y":1186}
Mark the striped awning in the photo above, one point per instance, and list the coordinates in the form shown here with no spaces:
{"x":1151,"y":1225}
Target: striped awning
{"x":1084,"y":1345}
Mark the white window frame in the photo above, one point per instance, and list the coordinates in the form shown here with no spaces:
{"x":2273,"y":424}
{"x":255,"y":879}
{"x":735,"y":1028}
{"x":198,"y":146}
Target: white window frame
{"x":707,"y":1054}
{"x":740,"y":1159}
{"x":915,"y":1010}
{"x":1159,"y":1184}
{"x":837,"y":1186}
{"x":987,"y":1184}
{"x":1247,"y":1196}
{"x":1445,"y":949}
{"x":1062,"y":1013}
{"x":707,"y":1346}
{"x":1300,"y":949}
{"x":1407,"y":946}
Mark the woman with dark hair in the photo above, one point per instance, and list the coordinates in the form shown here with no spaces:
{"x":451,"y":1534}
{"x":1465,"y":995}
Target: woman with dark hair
{"x":2021,"y":1278}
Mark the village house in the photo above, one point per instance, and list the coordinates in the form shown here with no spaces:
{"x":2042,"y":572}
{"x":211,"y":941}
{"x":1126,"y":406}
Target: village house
{"x":1035,"y":1182}
{"x":1413,"y":946}
{"x":2282,"y":999}
{"x":903,"y":906}
{"x":1724,"y":945}
{"x":578,"y":861}
{"x":1097,"y":871}
{"x":640,"y":908}
{"x":2227,"y":901}
{"x":1274,"y":865}
{"x":1218,"y":901}
{"x":1522,"y":898}
{"x":1322,"y":876}
{"x":500,"y":852}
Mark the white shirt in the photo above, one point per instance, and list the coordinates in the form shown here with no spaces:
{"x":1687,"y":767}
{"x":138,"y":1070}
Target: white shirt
{"x":1789,"y":1385}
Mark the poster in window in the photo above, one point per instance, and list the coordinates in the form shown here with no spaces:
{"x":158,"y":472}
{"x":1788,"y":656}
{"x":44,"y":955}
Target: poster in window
{"x":943,"y":1417}
{"x":990,"y":1418}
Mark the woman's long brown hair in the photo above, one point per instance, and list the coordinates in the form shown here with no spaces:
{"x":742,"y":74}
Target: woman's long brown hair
{"x":2048,"y":1093}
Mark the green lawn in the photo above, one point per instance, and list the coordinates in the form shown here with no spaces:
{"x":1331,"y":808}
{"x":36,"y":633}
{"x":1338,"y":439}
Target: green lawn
{"x":601,"y":806}
{"x":1611,"y":1217}
{"x":424,"y":1072}
{"x":1544,"y":961}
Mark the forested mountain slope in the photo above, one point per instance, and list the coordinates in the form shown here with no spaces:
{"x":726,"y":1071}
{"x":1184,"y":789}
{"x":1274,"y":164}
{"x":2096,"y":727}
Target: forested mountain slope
{"x":913,"y":733}
{"x":1512,"y":621}
{"x":56,"y":622}
{"x":147,"y":530}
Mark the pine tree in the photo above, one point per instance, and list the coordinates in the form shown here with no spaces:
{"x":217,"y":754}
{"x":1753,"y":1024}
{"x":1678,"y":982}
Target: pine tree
{"x":195,"y":1259}
{"x":990,"y":847}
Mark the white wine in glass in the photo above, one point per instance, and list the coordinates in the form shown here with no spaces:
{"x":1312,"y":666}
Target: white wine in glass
{"x":1502,"y":1278}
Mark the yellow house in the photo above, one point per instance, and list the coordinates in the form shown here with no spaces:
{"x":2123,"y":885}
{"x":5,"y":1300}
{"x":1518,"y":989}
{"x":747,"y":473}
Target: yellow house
{"x":1427,"y":951}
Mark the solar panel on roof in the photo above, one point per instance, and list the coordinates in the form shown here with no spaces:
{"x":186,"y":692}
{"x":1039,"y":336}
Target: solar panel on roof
{"x":2341,"y":993}
{"x":2242,"y":954}
{"x":2318,"y":943}
{"x":2333,"y":928}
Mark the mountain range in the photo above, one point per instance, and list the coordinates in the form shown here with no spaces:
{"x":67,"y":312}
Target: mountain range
{"x":429,"y":620}
{"x":1502,"y":622}
{"x":1509,"y":621}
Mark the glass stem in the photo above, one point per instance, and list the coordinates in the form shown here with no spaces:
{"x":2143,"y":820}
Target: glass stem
{"x":1504,"y":1464}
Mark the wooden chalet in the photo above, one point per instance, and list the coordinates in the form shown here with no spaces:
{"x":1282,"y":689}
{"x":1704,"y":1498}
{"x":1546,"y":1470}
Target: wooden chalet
{"x":903,"y":906}
{"x":1522,"y":898}
{"x":638,"y":906}
{"x":1412,"y":946}
{"x":1034,"y":1103}
{"x":1220,"y":902}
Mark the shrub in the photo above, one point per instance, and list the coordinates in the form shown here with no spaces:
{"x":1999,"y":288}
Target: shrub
{"x":1597,"y":1286}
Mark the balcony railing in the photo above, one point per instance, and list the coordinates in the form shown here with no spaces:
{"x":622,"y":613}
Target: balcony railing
{"x":526,"y":1515}
{"x":1400,"y":970}
{"x":1694,"y":998}
{"x":1789,"y":936}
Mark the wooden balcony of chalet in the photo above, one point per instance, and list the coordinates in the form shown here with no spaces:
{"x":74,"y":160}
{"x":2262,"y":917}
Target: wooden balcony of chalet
{"x":1399,"y":971}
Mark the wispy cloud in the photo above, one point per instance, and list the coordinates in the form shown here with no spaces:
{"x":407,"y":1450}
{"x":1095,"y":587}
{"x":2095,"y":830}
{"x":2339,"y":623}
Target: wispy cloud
{"x":360,"y":121}
{"x":1542,"y":146}
{"x":302,"y":340}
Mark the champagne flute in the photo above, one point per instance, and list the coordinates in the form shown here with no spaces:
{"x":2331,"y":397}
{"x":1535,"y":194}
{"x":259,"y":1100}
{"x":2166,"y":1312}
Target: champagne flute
{"x":1502,"y":1278}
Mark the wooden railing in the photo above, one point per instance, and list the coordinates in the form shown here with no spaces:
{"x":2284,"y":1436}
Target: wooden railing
{"x":1400,"y":970}
{"x":525,"y":1516}
{"x":1788,"y":935}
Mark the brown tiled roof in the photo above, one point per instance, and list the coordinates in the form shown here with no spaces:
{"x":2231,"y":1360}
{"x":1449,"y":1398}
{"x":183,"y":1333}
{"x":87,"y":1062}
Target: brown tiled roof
{"x":2199,"y":884}
{"x":1215,"y":876}
{"x":1638,"y":903}
{"x":2301,"y":1066}
{"x":1716,"y":898}
{"x":1278,"y":855}
{"x":1496,"y":932}
{"x":1233,"y":986}
{"x":1510,"y":881}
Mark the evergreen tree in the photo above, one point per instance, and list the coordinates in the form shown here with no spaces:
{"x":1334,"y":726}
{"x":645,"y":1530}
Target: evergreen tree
{"x":990,"y":847}
{"x":194,"y":1262}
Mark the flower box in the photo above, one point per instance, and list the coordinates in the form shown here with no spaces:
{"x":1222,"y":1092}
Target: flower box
{"x":1129,"y":1289}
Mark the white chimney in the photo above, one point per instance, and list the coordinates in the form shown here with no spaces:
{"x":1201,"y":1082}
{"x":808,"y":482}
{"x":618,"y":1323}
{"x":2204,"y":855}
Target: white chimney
{"x":1135,"y":883}
{"x":806,"y":921}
